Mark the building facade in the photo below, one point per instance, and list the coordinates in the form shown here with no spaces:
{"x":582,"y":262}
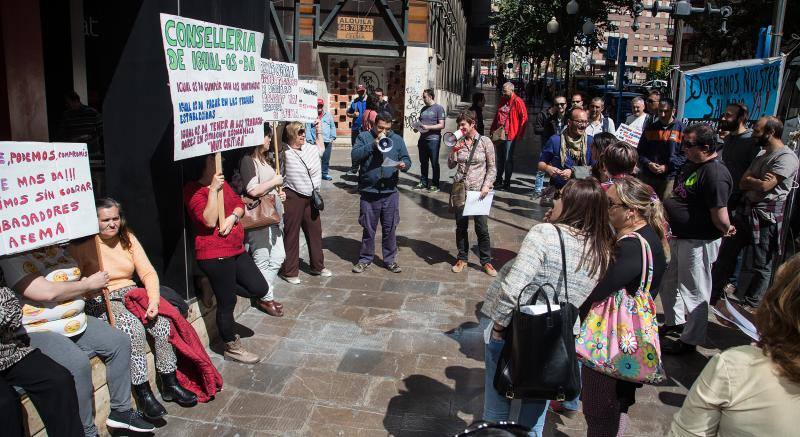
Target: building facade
{"x":647,"y":46}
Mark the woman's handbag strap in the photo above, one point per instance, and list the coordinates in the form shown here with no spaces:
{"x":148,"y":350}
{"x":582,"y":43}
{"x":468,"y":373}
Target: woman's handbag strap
{"x":563,"y":264}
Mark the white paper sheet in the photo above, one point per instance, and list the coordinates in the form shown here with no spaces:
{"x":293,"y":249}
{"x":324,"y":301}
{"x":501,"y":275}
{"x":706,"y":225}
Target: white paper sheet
{"x":477,"y":206}
{"x":388,"y":162}
{"x":733,"y":315}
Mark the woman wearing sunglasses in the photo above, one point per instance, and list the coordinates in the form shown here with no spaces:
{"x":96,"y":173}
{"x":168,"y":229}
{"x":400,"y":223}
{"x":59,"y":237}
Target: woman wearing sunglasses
{"x":302,"y":175}
{"x":580,"y":213}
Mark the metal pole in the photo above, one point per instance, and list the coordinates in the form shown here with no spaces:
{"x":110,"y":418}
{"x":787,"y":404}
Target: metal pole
{"x":777,"y":26}
{"x":676,"y":55}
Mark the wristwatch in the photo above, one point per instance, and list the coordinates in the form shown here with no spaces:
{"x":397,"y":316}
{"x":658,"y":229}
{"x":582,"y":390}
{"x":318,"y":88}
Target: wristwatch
{"x":237,"y":217}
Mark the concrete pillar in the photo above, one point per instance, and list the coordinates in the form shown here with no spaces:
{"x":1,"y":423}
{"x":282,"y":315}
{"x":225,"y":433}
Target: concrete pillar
{"x":24,"y":68}
{"x":417,"y":72}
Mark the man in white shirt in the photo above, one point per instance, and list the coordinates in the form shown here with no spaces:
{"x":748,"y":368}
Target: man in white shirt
{"x":637,"y":118}
{"x":597,"y":121}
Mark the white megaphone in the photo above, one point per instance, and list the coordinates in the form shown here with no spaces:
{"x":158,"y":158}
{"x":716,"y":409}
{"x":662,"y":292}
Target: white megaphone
{"x":451,"y":138}
{"x":385,"y":144}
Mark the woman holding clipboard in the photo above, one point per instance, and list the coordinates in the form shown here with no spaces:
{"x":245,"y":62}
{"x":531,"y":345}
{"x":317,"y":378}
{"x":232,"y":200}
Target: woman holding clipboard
{"x":473,"y":157}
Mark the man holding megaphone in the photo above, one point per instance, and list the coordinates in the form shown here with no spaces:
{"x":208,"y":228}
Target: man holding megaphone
{"x":379,"y":153}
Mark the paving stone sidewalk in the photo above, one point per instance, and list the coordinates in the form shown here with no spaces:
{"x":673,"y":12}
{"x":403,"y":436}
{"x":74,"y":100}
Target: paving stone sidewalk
{"x":380,"y":353}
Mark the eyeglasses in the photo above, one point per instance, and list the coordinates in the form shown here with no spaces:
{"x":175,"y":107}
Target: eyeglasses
{"x":612,"y":204}
{"x":581,"y":122}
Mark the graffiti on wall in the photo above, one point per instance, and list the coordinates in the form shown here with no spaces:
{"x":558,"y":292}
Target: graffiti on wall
{"x":370,"y":80}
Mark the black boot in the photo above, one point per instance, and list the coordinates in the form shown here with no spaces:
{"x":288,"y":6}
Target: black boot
{"x":148,"y":404}
{"x":172,"y":391}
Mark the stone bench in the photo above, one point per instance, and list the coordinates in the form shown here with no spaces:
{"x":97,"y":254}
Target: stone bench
{"x":201,"y":318}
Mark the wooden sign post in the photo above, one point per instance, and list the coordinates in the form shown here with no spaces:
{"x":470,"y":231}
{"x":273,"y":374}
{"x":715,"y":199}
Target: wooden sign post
{"x":220,"y":196}
{"x":275,"y":144}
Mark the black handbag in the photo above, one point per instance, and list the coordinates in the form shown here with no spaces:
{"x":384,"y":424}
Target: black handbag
{"x":538,"y":359}
{"x":316,"y":197}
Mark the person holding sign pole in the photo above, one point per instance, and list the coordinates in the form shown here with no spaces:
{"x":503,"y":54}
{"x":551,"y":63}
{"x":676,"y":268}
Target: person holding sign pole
{"x":265,"y":244}
{"x":50,"y":287}
{"x":324,"y":119}
{"x":48,"y":385}
{"x":377,"y":182}
{"x":301,"y":179}
{"x":356,"y":112}
{"x":473,"y":157}
{"x":121,"y":255}
{"x":219,"y":249}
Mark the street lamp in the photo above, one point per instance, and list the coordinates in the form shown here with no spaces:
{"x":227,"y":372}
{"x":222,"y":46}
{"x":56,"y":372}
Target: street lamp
{"x":588,"y":27}
{"x":572,"y":7}
{"x":552,"y":26}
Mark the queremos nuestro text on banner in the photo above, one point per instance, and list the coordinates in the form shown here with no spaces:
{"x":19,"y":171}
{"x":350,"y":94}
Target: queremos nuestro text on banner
{"x":214,"y":84}
{"x":279,"y":90}
{"x":706,"y":91}
{"x":46,"y":195}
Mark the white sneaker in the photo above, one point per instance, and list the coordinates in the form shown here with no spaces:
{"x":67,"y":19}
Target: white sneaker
{"x":294,"y":280}
{"x":325,"y":273}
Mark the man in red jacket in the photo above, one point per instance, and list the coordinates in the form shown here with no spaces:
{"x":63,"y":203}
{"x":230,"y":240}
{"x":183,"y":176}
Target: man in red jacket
{"x":508,"y":126}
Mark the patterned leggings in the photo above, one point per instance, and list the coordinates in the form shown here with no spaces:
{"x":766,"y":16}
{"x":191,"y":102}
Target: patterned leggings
{"x":166,"y":362}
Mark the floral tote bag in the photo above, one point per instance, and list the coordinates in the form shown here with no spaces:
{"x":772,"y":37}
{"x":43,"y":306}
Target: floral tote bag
{"x":619,"y":337}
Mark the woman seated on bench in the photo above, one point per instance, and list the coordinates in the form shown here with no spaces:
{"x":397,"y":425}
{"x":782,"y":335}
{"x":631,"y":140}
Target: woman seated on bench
{"x":122,"y":256}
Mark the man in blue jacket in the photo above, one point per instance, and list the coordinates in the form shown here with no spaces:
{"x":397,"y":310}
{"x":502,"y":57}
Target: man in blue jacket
{"x":660,"y":156}
{"x":378,"y":186}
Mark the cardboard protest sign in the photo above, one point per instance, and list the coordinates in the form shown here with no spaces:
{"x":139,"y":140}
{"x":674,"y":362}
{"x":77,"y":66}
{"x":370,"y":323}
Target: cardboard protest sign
{"x":214,"y":84}
{"x":628,"y":134}
{"x":46,"y":195}
{"x":706,"y":91}
{"x":307,"y":102}
{"x":279,"y":91}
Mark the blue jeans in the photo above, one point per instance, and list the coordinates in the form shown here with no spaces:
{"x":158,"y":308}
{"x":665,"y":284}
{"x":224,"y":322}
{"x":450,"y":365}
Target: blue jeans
{"x":429,"y":153}
{"x":496,"y":406}
{"x":505,"y":162}
{"x":353,"y":136}
{"x":326,"y":158}
{"x":539,"y":184}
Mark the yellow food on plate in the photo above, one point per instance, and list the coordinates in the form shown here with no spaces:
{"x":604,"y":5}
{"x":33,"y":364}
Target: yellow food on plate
{"x":76,"y":272}
{"x":72,"y":327}
{"x":30,"y":310}
{"x":37,"y":323}
{"x":60,"y":277}
{"x":69,"y":314}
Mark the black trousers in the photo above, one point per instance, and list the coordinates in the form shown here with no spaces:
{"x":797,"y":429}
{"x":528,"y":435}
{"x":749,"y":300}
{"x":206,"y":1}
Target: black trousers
{"x":757,"y":258}
{"x":462,"y":236}
{"x":229,"y":277}
{"x":52,"y":391}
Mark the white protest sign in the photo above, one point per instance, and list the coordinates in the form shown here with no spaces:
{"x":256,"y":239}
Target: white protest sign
{"x":46,"y":195}
{"x":214,"y":85}
{"x":279,"y":90}
{"x":628,"y":134}
{"x":307,"y":101}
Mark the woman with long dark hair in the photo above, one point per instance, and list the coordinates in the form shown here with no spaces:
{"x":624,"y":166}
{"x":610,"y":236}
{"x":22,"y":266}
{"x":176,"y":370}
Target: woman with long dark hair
{"x":632,"y":208}
{"x":122,"y":256}
{"x":265,"y":244}
{"x":580,"y":213}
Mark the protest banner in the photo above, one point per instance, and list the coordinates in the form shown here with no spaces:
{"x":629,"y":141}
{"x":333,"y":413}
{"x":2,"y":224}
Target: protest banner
{"x":279,"y":91}
{"x":46,"y":195}
{"x":307,"y":101}
{"x":706,"y":91}
{"x":214,"y":84}
{"x":628,"y":134}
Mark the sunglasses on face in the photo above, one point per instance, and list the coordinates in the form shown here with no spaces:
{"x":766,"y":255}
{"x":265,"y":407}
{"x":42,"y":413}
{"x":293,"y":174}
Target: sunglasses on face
{"x":301,"y":132}
{"x":612,"y":204}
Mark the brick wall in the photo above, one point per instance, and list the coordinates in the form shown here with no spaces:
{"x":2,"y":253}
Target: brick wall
{"x":342,"y":81}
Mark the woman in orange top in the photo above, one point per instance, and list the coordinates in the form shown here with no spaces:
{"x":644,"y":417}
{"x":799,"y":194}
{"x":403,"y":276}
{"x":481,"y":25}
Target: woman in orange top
{"x":122,"y":256}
